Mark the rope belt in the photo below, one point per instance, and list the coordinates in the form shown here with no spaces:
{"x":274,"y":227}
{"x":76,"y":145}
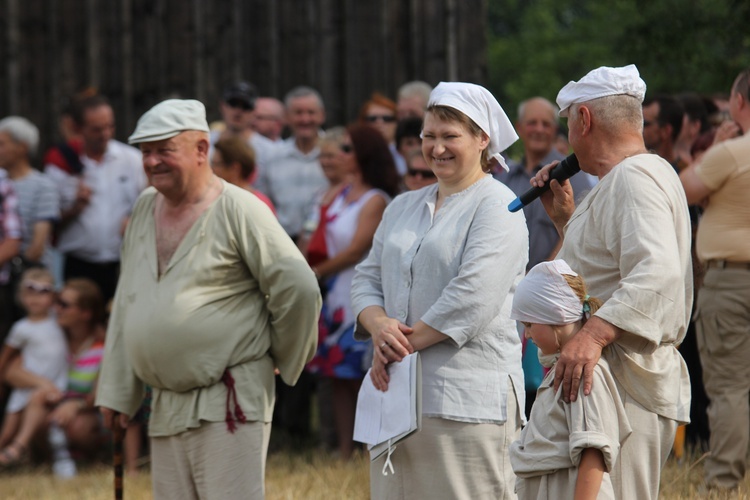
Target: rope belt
{"x":239,"y":415}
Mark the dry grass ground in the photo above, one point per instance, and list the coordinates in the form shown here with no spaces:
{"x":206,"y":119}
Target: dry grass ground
{"x":304,"y":476}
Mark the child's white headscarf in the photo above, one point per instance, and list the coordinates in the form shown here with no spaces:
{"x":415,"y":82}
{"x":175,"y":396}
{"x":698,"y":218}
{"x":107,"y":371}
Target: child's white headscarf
{"x":544,"y":297}
{"x":477,"y":103}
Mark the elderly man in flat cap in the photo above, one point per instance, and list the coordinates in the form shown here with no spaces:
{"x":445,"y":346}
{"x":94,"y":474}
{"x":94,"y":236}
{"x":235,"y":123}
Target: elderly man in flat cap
{"x":630,"y":240}
{"x":213,"y":296}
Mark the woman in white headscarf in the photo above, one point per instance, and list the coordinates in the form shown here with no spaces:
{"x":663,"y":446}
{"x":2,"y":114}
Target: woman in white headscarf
{"x":439,"y":279}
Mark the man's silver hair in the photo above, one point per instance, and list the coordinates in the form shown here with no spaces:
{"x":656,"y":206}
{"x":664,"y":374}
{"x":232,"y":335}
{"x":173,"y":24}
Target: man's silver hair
{"x":303,"y":91}
{"x":552,"y":108}
{"x":21,"y":130}
{"x":416,"y":88}
{"x":614,"y":113}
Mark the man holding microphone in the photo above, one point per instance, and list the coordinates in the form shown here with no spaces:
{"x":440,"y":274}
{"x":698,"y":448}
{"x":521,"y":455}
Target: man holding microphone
{"x":630,"y":240}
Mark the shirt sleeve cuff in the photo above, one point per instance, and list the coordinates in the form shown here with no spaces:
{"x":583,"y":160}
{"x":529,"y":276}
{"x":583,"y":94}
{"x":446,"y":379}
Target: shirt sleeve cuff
{"x":640,"y":332}
{"x":580,"y":441}
{"x":457,"y":334}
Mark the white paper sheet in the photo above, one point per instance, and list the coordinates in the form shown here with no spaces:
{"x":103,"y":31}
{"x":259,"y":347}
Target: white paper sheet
{"x":386,"y":415}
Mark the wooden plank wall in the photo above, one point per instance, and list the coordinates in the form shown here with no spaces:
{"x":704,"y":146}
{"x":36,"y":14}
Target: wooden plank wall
{"x":138,"y":52}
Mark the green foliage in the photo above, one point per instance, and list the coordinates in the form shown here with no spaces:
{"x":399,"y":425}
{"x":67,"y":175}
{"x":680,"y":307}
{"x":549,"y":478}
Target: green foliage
{"x":536,"y":46}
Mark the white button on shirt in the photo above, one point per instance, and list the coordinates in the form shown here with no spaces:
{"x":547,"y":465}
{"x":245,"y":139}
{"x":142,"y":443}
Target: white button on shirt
{"x":115,"y":183}
{"x":455,"y":269}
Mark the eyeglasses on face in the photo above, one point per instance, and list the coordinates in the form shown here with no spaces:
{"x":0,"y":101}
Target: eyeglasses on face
{"x":383,"y":118}
{"x":239,"y":104}
{"x":346,"y":148}
{"x":424,"y":174}
{"x":64,"y":304}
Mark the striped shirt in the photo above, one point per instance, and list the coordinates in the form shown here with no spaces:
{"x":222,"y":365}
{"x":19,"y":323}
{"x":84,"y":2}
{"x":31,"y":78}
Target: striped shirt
{"x":38,"y":201}
{"x":83,"y":371}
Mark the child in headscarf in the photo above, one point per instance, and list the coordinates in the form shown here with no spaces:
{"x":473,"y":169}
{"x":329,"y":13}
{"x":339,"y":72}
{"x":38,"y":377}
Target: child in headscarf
{"x":567,"y":449}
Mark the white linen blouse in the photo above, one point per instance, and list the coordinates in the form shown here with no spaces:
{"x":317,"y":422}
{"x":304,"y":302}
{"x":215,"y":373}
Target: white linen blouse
{"x":455,"y":269}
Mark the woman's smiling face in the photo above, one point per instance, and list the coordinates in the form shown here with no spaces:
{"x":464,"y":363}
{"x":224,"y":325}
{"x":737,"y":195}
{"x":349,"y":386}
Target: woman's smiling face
{"x":450,"y":148}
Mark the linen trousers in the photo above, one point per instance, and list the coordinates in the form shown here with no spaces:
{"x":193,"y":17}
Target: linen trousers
{"x":211,"y":463}
{"x":637,"y":472}
{"x":723,"y":334}
{"x":447,"y":459}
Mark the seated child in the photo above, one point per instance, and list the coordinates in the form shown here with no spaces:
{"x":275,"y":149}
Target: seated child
{"x":567,"y":449}
{"x":41,"y":343}
{"x":69,"y":418}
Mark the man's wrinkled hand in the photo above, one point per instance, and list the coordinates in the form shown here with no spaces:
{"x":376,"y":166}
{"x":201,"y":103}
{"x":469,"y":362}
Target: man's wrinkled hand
{"x":580,"y":354}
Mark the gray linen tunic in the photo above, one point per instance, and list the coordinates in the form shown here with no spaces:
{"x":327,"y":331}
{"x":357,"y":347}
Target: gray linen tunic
{"x":456,"y":270}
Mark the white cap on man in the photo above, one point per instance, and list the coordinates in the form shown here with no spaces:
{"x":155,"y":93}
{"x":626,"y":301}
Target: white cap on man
{"x":168,"y":119}
{"x":602,"y":82}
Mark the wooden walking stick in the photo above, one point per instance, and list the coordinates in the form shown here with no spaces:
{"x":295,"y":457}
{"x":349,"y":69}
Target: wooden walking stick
{"x":117,"y":456}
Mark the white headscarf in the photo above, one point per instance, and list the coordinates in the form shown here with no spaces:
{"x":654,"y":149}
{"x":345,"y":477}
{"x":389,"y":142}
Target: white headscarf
{"x":477,"y":103}
{"x":544,"y":297}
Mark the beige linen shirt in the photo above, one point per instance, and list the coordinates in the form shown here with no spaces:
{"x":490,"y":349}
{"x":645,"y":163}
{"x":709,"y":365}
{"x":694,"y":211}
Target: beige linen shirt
{"x":558,"y":433}
{"x":724,"y":229}
{"x":630,"y":240}
{"x":237,"y":294}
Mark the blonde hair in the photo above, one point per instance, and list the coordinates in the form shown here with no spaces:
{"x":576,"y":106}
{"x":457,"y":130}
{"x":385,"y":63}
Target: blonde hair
{"x":448,"y":114}
{"x":32,"y":274}
{"x":578,"y":286}
{"x":333,"y":136}
{"x":37,"y":274}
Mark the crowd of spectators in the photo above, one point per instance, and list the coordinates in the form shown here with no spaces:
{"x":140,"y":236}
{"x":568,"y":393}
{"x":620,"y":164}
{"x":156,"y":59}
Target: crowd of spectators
{"x":62,"y":220}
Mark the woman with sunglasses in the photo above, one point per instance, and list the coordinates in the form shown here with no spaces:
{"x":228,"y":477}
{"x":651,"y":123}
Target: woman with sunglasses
{"x":380,"y":112}
{"x":71,"y":413}
{"x":439,"y":279}
{"x":351,"y":220}
{"x":418,"y":173}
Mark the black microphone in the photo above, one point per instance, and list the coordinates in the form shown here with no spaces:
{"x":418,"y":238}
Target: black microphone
{"x":563,"y":170}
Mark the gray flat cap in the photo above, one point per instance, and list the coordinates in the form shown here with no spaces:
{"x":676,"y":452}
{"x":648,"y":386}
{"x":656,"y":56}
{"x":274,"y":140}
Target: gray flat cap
{"x":169,"y":118}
